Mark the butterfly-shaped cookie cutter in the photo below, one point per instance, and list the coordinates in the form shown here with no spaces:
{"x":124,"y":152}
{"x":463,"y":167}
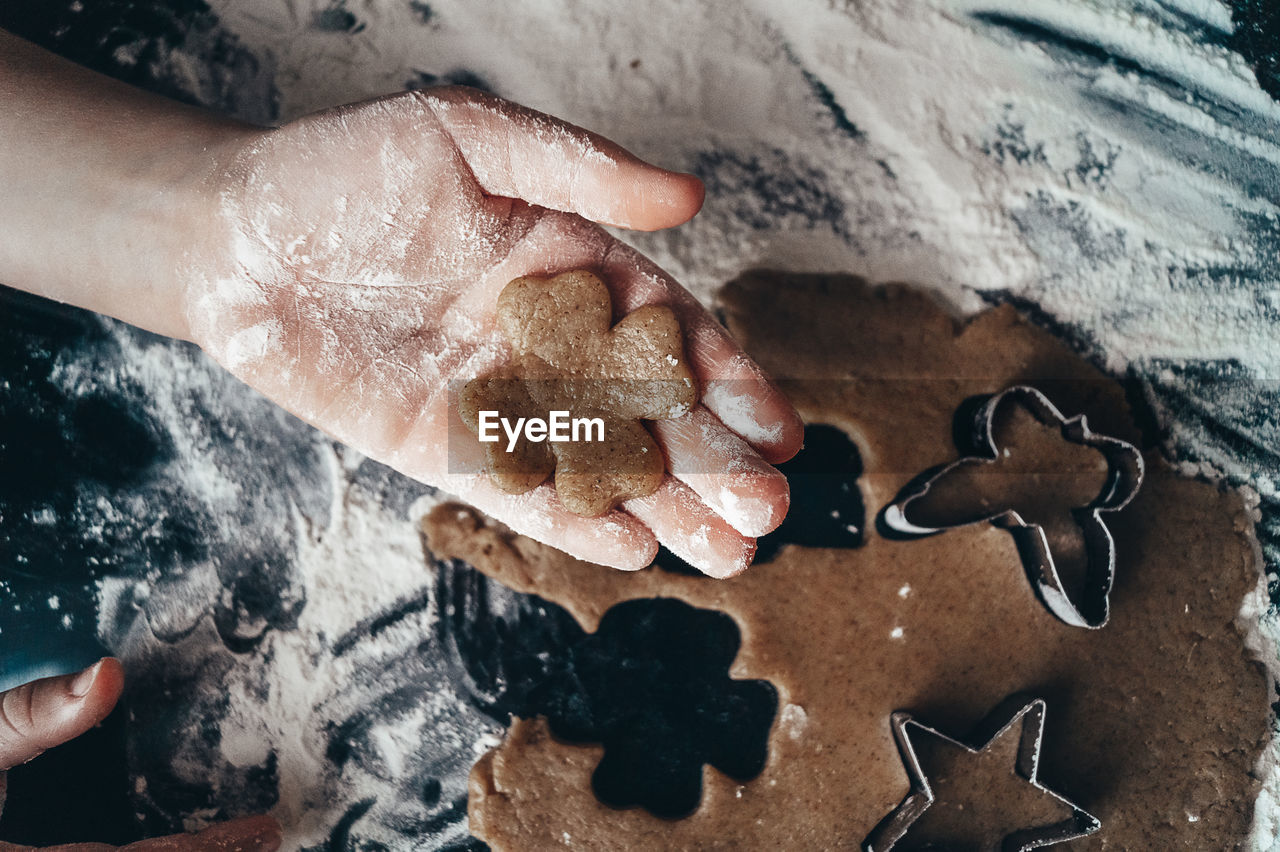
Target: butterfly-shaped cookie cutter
{"x":1030,"y":713}
{"x":1125,"y":472}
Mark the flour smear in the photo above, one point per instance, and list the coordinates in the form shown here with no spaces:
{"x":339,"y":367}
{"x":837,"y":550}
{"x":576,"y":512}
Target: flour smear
{"x":1109,"y":167}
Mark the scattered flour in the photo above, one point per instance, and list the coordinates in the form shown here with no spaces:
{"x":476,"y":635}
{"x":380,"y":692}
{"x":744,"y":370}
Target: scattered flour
{"x":926,"y":142}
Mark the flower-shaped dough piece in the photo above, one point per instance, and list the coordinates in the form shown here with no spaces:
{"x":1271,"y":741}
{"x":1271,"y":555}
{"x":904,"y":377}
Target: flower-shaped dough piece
{"x":567,"y":358}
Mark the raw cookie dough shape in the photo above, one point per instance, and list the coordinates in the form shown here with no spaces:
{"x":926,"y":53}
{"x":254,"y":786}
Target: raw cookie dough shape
{"x":1088,"y":606}
{"x":947,"y":625}
{"x":1008,"y":742}
{"x":566,"y":357}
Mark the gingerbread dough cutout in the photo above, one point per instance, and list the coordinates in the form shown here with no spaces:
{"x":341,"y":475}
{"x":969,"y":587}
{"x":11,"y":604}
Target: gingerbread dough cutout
{"x":1158,"y":720}
{"x":567,"y":358}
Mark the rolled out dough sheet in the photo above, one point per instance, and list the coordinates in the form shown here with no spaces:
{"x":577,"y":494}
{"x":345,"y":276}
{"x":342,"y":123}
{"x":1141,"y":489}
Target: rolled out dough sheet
{"x":1156,"y":723}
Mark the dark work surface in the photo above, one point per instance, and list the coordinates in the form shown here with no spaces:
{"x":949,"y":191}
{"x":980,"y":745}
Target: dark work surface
{"x":96,"y":485}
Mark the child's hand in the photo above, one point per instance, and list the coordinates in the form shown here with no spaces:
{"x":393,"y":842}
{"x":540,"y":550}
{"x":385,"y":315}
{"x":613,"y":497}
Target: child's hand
{"x":45,"y":713}
{"x":352,"y":273}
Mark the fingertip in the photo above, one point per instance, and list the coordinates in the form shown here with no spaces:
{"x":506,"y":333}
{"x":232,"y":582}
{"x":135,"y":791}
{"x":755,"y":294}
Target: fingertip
{"x":94,"y":693}
{"x":691,"y":193}
{"x":45,"y":713}
{"x":753,"y":505}
{"x":662,"y":199}
{"x":698,"y":188}
{"x":693,"y":531}
{"x":638,"y":558}
{"x":619,"y":541}
{"x":110,"y":680}
{"x":730,"y":568}
{"x":790,"y":437}
{"x":764,"y":506}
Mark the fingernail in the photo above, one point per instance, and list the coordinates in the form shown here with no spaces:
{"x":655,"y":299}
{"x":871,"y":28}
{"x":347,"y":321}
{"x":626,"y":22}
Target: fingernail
{"x":84,"y":681}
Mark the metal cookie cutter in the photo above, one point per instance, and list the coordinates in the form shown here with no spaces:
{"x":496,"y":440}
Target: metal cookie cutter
{"x":1017,"y":711}
{"x":1125,"y":471}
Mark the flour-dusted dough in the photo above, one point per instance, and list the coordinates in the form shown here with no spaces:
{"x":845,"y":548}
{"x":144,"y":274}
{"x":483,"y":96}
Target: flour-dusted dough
{"x":1155,"y":722}
{"x":567,"y":357}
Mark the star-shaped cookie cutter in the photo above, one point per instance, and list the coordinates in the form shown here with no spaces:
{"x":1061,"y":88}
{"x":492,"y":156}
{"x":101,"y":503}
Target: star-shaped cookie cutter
{"x":1125,"y":472}
{"x":1030,"y":713}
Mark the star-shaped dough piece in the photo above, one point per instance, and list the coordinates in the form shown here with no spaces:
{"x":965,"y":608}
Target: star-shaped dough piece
{"x":567,"y":357}
{"x":958,"y":790}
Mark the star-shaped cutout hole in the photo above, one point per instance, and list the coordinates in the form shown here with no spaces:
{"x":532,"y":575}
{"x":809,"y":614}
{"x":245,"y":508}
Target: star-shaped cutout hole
{"x":980,"y":794}
{"x":1048,"y":480}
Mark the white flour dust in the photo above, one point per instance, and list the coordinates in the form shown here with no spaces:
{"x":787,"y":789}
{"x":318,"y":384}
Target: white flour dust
{"x":972,"y":149}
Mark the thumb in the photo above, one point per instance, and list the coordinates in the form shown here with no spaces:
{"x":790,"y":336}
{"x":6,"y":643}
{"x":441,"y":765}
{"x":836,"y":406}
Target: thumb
{"x":516,"y":152}
{"x":44,"y":713}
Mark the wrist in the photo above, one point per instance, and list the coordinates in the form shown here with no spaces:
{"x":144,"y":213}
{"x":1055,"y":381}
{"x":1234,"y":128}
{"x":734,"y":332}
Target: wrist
{"x":172,"y":215}
{"x":111,"y":191}
{"x":152,"y":219}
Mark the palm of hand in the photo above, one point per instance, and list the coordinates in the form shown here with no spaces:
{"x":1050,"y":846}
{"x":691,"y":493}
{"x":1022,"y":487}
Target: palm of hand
{"x":365,"y":250}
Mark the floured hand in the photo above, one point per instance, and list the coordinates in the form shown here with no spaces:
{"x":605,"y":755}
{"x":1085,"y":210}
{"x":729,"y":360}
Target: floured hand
{"x":356,"y":259}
